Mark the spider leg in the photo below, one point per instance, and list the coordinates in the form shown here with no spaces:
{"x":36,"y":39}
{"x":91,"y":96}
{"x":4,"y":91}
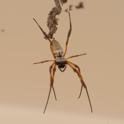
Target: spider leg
{"x":76,"y":55}
{"x":52,"y":70}
{"x":47,"y":99}
{"x":77,"y":70}
{"x":43,"y":61}
{"x":76,"y":67}
{"x":46,"y":36}
{"x":69,"y":32}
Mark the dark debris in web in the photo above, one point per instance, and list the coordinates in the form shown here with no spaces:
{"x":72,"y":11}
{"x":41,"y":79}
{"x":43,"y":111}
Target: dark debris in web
{"x":80,"y":5}
{"x":52,"y":20}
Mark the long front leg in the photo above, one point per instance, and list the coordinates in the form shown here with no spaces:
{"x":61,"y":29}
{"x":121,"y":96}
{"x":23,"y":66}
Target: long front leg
{"x":43,"y":61}
{"x":77,"y":70}
{"x":46,"y":36}
{"x":76,"y":55}
{"x":52,"y":70}
{"x":69,"y":32}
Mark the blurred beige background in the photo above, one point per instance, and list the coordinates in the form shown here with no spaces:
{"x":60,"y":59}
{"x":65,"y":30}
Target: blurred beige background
{"x":98,"y":30}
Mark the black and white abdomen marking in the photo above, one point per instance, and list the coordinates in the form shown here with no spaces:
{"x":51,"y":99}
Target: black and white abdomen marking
{"x":60,"y":61}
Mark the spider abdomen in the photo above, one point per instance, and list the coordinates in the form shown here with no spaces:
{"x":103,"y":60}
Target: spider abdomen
{"x":57,"y":49}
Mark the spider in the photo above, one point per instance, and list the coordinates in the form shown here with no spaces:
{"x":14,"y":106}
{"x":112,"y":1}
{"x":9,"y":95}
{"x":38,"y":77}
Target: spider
{"x":62,"y":62}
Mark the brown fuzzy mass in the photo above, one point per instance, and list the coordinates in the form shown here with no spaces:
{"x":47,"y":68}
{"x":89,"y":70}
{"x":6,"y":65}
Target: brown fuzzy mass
{"x":52,"y":21}
{"x":63,"y":1}
{"x":80,"y":5}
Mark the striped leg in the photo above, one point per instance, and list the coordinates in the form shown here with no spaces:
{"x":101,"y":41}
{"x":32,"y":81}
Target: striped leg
{"x":76,"y":69}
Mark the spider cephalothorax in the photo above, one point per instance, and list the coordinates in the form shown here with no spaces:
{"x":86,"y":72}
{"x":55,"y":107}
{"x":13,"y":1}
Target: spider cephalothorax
{"x":62,"y":62}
